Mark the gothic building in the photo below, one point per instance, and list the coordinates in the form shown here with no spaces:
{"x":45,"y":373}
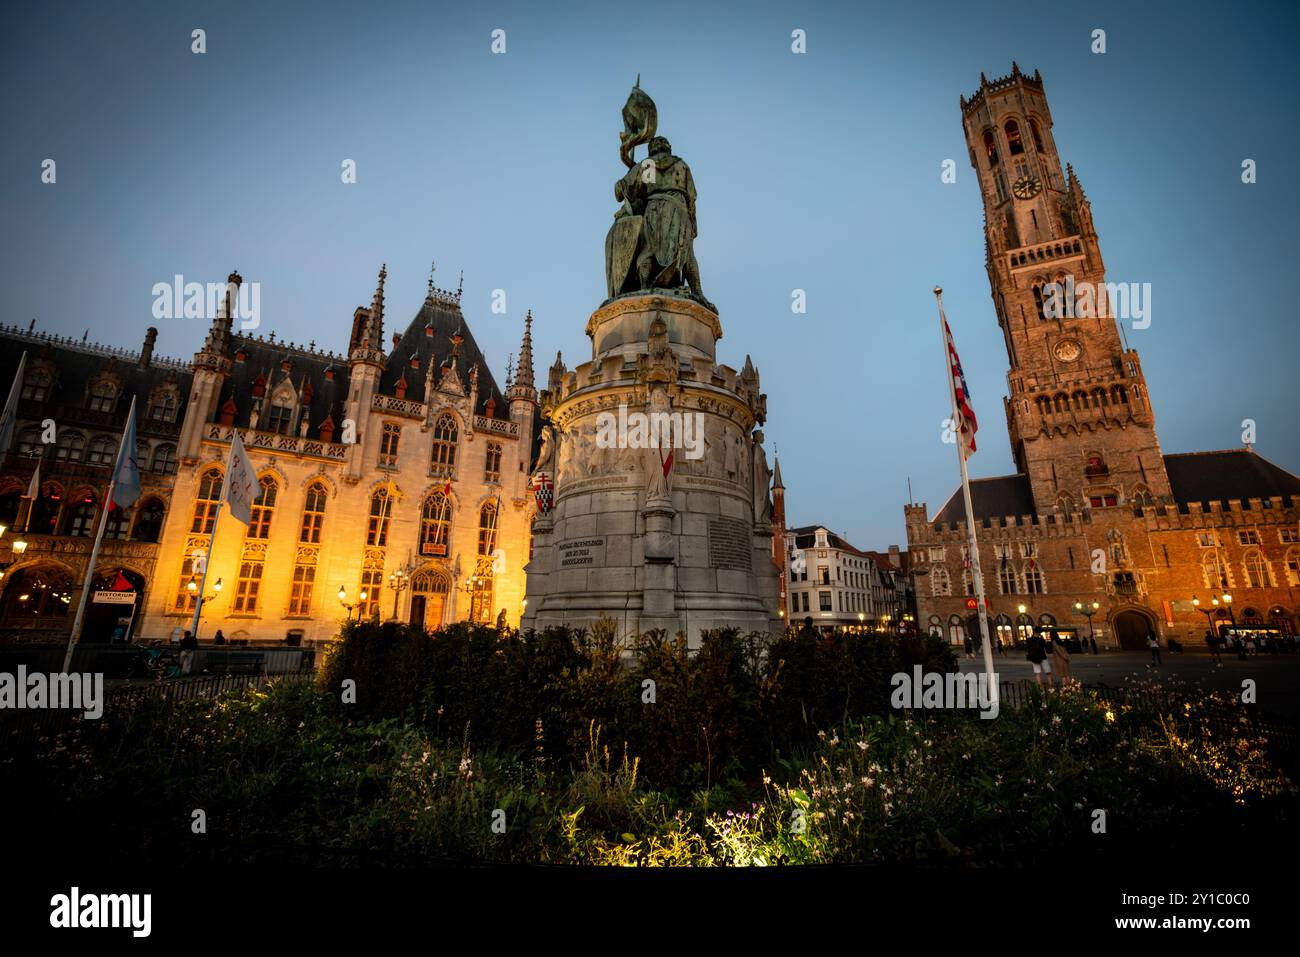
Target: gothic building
{"x":73,"y":404}
{"x":393,"y":483}
{"x":1096,"y":512}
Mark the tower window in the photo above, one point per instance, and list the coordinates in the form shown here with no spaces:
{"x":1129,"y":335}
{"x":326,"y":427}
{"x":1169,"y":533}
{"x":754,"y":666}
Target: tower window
{"x":1013,"y":138}
{"x":990,"y":148}
{"x":1038,"y":139}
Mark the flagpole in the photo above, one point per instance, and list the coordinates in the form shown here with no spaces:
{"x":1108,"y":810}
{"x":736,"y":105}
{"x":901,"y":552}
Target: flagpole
{"x":75,"y":634}
{"x":207,"y":563}
{"x":976,"y":573}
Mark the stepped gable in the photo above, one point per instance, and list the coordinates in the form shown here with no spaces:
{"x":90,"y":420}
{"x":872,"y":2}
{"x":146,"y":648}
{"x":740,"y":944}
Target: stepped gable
{"x":264,"y":357}
{"x":1239,"y":474}
{"x":428,"y":337}
{"x":991,"y":498}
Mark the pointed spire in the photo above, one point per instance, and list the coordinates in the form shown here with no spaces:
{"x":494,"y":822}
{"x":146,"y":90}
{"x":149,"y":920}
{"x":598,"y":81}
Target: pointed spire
{"x":524,"y":373}
{"x":375,"y":324}
{"x":776,"y":474}
{"x":433,"y":267}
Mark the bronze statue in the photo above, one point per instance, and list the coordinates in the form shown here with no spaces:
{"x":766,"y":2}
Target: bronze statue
{"x":655,"y":228}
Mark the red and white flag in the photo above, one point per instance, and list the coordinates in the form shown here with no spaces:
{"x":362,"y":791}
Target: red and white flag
{"x":965,"y":425}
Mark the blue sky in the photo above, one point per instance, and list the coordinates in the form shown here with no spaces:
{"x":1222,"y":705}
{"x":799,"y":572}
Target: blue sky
{"x":817,"y":172}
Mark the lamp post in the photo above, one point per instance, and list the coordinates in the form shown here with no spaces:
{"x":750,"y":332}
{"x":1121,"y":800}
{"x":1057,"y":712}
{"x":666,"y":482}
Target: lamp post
{"x":397,"y":581}
{"x":1207,"y":612}
{"x":343,"y":600}
{"x":192,"y":586}
{"x":1088,"y":610}
{"x":862,"y":617}
{"x":470,"y":586}
{"x":1227,"y":600}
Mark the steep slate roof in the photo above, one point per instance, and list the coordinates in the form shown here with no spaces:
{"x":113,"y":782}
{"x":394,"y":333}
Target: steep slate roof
{"x":77,"y":362}
{"x":444,"y":317}
{"x":265,"y":358}
{"x":991,"y":497}
{"x":1232,"y":474}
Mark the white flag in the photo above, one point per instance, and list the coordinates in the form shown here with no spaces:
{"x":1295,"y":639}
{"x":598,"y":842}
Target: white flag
{"x":10,"y":415}
{"x":126,"y":473}
{"x":34,"y":486}
{"x":241,"y":481}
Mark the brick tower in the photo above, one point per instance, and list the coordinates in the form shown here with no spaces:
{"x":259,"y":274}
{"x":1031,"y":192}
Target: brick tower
{"x":1079,"y":418}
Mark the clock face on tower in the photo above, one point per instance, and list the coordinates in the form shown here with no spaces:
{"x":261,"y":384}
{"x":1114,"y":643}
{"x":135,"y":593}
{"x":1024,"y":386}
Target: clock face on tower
{"x":1027,"y":187}
{"x":1067,"y":350}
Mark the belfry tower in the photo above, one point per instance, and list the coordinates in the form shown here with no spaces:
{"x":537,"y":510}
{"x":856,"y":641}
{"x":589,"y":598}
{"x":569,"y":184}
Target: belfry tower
{"x":1078,"y":413}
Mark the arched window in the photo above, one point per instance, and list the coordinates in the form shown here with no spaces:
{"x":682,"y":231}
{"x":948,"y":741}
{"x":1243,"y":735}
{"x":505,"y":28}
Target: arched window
{"x":1014,"y":145}
{"x":1215,"y":571}
{"x":481,"y":592}
{"x":1034,"y":133}
{"x":102,"y":451}
{"x":205,"y":503}
{"x":1293,"y":567}
{"x":79,"y":517}
{"x":118,"y":524}
{"x":435,"y":524}
{"x":940,"y":583}
{"x":445,"y":436}
{"x":956,"y":630}
{"x":1044,"y":405}
{"x":990,"y":148}
{"x":1142,"y":497}
{"x":30,"y":444}
{"x":492,"y":468}
{"x":1038,"y":300}
{"x":1061,"y":402}
{"x":380,"y":513}
{"x":11,"y":503}
{"x":1033,"y":578}
{"x":1007,"y":579}
{"x":43,"y":514}
{"x":313,"y":514}
{"x":164,"y":459}
{"x":1257,"y":574}
{"x":103,"y":396}
{"x":71,"y":447}
{"x":40,"y":592}
{"x":487,"y":528}
{"x":263,"y":508}
{"x":148,"y":521}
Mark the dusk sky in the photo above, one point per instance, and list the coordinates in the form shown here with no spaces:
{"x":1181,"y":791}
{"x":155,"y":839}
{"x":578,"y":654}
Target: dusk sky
{"x":818,"y":172}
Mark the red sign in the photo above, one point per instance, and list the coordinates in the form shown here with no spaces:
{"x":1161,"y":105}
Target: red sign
{"x":972,"y":604}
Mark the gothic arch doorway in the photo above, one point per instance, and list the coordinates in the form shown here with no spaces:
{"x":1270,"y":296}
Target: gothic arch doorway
{"x":112,"y":613}
{"x":1131,"y":629}
{"x":430,"y":588}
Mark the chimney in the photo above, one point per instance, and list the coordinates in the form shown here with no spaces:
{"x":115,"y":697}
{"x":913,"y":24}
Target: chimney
{"x":146,"y":351}
{"x":894,"y":558}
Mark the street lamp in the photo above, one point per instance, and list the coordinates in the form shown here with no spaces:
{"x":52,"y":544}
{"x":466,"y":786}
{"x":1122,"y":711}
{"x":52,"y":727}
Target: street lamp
{"x":862,"y":617}
{"x":1227,"y":600}
{"x":343,"y":600}
{"x":1207,"y":612}
{"x":19,"y":546}
{"x":397,"y":581}
{"x":192,"y":587}
{"x":1088,"y":610}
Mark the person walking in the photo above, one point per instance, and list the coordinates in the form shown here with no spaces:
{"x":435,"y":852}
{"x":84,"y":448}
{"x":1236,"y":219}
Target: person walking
{"x":1093,"y":643}
{"x":218,"y":638}
{"x":1154,"y":644}
{"x":1038,"y":657}
{"x":1061,"y":661}
{"x":189,"y":648}
{"x":1212,"y":640}
{"x":970,"y":647}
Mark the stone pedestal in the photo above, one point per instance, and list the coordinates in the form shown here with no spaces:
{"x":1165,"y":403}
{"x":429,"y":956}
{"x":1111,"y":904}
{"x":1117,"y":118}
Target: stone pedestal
{"x":687,"y":552}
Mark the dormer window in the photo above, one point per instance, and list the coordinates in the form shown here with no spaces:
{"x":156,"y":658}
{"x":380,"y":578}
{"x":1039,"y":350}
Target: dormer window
{"x":36,"y":385}
{"x":103,"y":396}
{"x":163,"y":407}
{"x":279,"y":419}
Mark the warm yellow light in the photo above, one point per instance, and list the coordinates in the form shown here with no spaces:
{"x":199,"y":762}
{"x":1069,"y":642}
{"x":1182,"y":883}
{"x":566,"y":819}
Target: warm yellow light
{"x":1021,"y":608}
{"x":1227,"y":599}
{"x":192,"y":586}
{"x":1196,"y":602}
{"x":217,"y":587}
{"x":364,"y":594}
{"x":3,"y":529}
{"x":343,"y":594}
{"x":19,"y":546}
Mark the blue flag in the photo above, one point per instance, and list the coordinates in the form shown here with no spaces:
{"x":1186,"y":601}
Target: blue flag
{"x":126,"y":473}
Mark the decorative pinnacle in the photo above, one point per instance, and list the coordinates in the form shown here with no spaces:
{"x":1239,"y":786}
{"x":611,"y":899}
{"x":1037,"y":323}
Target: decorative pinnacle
{"x":433,"y":267}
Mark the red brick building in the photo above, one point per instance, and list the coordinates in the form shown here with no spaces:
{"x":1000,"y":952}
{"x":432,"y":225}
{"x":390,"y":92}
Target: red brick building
{"x":1096,"y":512}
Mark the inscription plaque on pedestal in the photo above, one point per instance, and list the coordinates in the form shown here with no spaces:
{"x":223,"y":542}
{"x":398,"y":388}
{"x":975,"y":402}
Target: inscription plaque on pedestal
{"x":730,"y":544}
